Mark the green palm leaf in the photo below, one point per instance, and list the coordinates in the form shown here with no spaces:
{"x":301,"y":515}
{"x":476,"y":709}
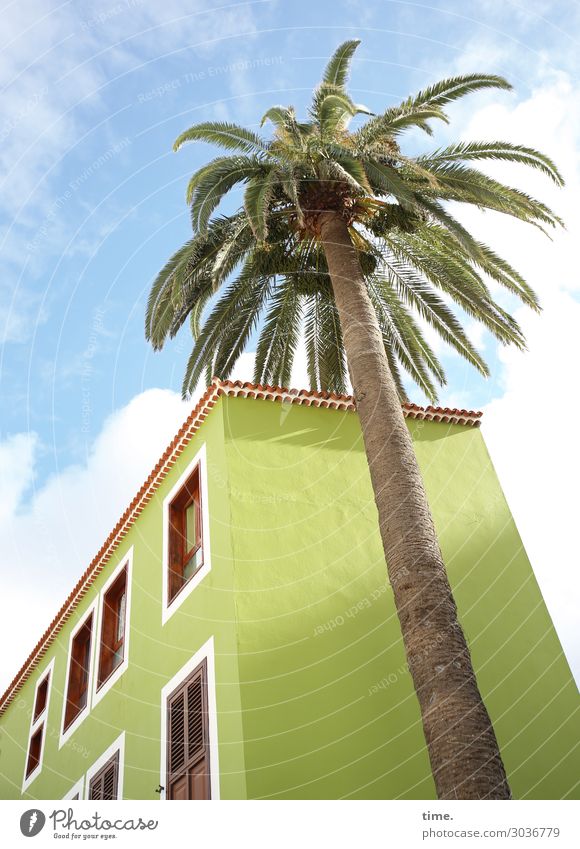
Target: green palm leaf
{"x":499,"y":151}
{"x":336,"y":72}
{"x":279,"y":336}
{"x":257,"y":200}
{"x":222,"y":134}
{"x":448,"y":90}
{"x":210,"y":184}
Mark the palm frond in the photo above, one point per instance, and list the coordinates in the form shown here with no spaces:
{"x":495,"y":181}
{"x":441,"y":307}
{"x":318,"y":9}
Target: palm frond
{"x":451,"y":274}
{"x":325,"y":358}
{"x":427,"y":104}
{"x":227,"y":328}
{"x":223,"y":134}
{"x":257,"y":199}
{"x":160,"y":305}
{"x":213,"y":182}
{"x":278,"y":115}
{"x":381,"y":130}
{"x":418,"y":294}
{"x":279,"y":336}
{"x":349,"y":170}
{"x":455,"y":181}
{"x":448,"y":90}
{"x":333,"y":113}
{"x":186,"y":276}
{"x":385,"y":180}
{"x":495,"y":150}
{"x":336,"y":71}
{"x":402,"y":335}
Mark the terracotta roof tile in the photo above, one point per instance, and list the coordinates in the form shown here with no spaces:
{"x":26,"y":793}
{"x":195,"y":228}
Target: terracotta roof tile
{"x":174,"y":449}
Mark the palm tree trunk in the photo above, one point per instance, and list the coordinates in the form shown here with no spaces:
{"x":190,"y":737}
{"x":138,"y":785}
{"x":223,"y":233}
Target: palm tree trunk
{"x":463,"y":749}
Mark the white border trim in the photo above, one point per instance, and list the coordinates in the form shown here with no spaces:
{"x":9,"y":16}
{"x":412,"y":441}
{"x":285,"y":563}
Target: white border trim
{"x":65,"y":735}
{"x":167,"y":610}
{"x":79,"y":788}
{"x":99,"y":693}
{"x":206,"y":652}
{"x":119,"y":744}
{"x":35,"y":725}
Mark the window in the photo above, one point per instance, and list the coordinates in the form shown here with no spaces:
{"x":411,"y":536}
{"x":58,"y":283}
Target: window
{"x":113,"y":623}
{"x":188,"y":775}
{"x":104,"y":779}
{"x":185,"y":535}
{"x":38,"y":724}
{"x":34,"y":751}
{"x":104,"y":785}
{"x":186,"y":554}
{"x":112,"y":629}
{"x":41,"y":698}
{"x":78,"y":672}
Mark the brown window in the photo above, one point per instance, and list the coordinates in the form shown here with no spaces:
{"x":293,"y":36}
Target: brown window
{"x":78,"y":673}
{"x":187,"y":739}
{"x":34,"y":751}
{"x":112,"y":648}
{"x":185,"y":537}
{"x":105,"y":784}
{"x":41,"y":697}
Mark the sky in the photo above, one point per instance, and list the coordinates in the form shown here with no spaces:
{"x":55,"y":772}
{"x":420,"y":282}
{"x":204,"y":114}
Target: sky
{"x":92,"y":203}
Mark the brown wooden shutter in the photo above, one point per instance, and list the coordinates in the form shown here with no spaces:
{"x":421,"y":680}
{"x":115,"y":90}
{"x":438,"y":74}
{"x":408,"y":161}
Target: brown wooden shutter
{"x":188,"y":741}
{"x":177,"y":732}
{"x":96,"y":788}
{"x":110,"y":781}
{"x":195,"y":717}
{"x":105,"y":784}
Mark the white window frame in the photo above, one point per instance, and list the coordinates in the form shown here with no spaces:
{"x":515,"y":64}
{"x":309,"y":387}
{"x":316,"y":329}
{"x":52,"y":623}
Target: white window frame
{"x":35,"y":725}
{"x":67,"y":734}
{"x":79,"y":788}
{"x":99,"y":692}
{"x":206,"y":652}
{"x":117,"y":745}
{"x":168,"y":609}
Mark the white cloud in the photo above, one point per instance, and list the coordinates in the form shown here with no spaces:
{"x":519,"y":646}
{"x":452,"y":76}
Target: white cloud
{"x":46,"y":545}
{"x":16,"y":470}
{"x":531,"y":435}
{"x":528,"y":427}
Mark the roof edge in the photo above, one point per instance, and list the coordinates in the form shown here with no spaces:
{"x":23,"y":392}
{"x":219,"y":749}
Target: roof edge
{"x":191,"y":425}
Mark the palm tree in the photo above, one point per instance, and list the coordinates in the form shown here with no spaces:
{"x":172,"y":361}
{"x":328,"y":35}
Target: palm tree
{"x":344,"y":241}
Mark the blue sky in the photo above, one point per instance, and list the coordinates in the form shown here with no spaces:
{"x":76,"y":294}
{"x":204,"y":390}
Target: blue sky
{"x":92,"y":204}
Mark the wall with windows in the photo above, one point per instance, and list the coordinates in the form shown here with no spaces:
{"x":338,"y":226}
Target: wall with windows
{"x":158,"y":645}
{"x":290,"y":605}
{"x":329,"y":708}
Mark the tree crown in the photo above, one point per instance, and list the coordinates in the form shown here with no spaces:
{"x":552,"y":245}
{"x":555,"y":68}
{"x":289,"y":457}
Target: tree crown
{"x":416,"y":257}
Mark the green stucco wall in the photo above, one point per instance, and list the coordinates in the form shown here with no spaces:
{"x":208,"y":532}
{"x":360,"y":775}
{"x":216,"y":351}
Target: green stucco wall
{"x":313,"y":696}
{"x":329,"y":709}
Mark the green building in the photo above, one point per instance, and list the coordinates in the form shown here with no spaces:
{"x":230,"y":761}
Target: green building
{"x":235,"y":636}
